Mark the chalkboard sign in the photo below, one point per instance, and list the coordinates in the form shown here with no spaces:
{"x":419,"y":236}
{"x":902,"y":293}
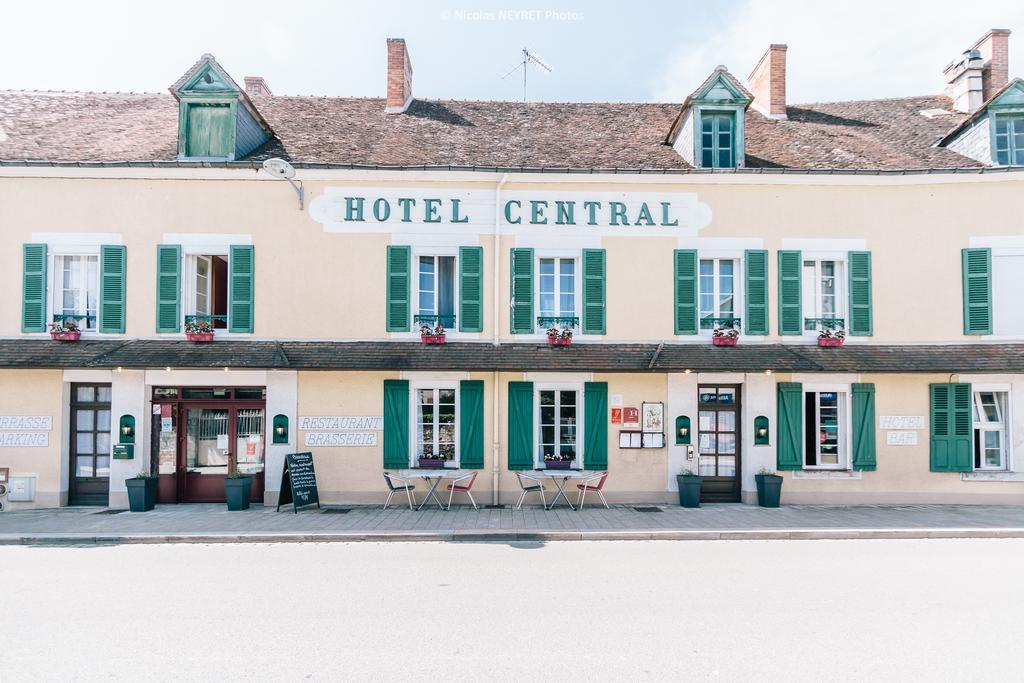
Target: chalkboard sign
{"x":298,"y":482}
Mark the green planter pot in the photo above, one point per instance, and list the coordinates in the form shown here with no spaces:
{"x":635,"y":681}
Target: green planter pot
{"x":769,"y":490}
{"x":689,"y":490}
{"x":141,"y":494}
{"x":237,"y":492}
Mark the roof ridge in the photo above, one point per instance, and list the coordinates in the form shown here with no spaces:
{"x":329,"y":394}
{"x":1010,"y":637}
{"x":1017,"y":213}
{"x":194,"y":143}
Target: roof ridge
{"x":877,"y":99}
{"x":7,"y":91}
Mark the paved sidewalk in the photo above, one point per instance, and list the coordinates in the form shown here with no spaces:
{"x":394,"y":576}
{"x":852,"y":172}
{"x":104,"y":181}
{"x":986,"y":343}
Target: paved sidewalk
{"x":213,"y":523}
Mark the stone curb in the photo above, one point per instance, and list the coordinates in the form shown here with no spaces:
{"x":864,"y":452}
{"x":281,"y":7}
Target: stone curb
{"x":510,"y":536}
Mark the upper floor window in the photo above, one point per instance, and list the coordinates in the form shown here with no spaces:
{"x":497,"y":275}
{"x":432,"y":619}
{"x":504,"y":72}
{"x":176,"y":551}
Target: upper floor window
{"x":717,"y":140}
{"x":990,"y":432}
{"x":822,"y":296}
{"x":1009,"y":139}
{"x":75,"y":289}
{"x":717,"y":283}
{"x":557,"y":288}
{"x":435,"y":298}
{"x":206,"y":297}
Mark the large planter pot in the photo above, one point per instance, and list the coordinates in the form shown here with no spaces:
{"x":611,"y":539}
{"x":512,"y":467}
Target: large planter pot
{"x":557,"y":464}
{"x":829,"y":341}
{"x":141,"y":494}
{"x":689,"y":489}
{"x":66,"y":335}
{"x":724,"y":341}
{"x":769,"y":490}
{"x":432,"y":463}
{"x":199,"y":337}
{"x":237,"y":492}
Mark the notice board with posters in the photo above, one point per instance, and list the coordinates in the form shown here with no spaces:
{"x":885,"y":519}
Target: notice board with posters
{"x":298,"y":482}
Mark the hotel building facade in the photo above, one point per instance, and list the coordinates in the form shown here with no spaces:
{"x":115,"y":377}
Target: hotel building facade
{"x":591,"y":265}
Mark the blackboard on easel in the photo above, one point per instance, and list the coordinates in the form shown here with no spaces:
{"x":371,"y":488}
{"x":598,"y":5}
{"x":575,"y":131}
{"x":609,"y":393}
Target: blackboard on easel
{"x":298,"y":482}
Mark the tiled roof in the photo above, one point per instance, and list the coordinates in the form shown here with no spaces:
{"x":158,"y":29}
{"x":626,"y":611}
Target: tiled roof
{"x":123,"y":127}
{"x":462,"y":356}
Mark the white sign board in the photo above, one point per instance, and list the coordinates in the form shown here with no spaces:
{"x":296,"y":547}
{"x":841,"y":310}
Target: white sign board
{"x":901,"y":422}
{"x":26,"y":422}
{"x":901,"y":438}
{"x":336,"y":422}
{"x":341,"y":439}
{"x":24,"y":439}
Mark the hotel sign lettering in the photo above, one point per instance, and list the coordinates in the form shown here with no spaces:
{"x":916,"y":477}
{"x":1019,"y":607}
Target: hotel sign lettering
{"x":361,"y":209}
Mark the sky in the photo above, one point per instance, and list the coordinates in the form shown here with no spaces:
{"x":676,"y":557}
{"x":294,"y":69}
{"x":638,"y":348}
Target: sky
{"x":599,"y":51}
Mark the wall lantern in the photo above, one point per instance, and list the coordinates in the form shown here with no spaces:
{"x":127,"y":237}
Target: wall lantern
{"x":682,"y":430}
{"x":127,"y":429}
{"x":760,"y":430}
{"x":280,"y":429}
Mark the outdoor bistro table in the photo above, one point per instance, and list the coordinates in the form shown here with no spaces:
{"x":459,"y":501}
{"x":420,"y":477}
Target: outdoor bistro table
{"x":564,"y":476}
{"x":433,"y":476}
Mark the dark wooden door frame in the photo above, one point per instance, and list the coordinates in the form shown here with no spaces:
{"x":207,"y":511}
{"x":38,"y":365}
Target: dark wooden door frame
{"x":76,"y":497}
{"x":735,"y":495}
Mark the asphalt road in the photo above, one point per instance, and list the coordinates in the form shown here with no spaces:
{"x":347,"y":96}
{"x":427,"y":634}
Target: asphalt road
{"x":720,"y":610}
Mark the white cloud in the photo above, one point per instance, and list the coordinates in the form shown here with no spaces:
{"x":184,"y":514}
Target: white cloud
{"x":840,"y":50}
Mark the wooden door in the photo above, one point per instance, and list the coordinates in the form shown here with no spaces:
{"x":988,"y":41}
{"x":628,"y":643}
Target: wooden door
{"x":89,"y":483}
{"x":718,"y":443}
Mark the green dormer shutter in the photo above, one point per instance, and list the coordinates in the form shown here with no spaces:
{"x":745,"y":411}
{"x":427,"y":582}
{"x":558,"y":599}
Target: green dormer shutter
{"x":790,"y":311}
{"x":168,"y":288}
{"x":112,"y":288}
{"x":33,"y":288}
{"x":211,"y":130}
{"x":977,"y":281}
{"x":241,"y":307}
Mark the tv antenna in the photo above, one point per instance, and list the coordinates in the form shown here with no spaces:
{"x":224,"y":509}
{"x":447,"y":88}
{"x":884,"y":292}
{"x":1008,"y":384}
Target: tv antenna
{"x":528,"y":58}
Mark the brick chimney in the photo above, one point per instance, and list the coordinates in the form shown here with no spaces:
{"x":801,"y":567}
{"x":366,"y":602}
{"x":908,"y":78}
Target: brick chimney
{"x":964,"y":82}
{"x":255,"y":85}
{"x":399,"y":77}
{"x":767,"y":82}
{"x":994,"y":47}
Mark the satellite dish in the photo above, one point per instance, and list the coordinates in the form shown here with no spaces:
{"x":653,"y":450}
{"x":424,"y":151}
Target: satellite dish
{"x":279,"y":168}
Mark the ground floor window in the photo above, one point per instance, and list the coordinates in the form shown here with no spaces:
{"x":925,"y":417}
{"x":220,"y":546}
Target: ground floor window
{"x":825,"y":429}
{"x":436,"y":431}
{"x":557,"y":436}
{"x":990,"y":432}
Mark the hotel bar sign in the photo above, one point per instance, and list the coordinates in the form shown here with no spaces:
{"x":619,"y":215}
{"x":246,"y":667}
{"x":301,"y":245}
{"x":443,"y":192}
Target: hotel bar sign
{"x":367,"y":209}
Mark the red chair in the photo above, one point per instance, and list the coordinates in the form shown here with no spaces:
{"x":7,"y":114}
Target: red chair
{"x":456,"y":487}
{"x":588,"y":485}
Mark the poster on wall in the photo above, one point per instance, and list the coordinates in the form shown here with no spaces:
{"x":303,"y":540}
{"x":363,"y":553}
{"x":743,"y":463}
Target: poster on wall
{"x":654,"y":417}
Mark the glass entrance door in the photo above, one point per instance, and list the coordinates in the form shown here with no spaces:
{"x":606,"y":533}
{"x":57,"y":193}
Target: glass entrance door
{"x":90,"y":444}
{"x":718,"y":443}
{"x":217,"y":441}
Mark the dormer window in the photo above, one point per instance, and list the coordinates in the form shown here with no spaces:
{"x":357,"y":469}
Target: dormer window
{"x":717,"y":140}
{"x":1009,"y":140}
{"x":210,"y":129}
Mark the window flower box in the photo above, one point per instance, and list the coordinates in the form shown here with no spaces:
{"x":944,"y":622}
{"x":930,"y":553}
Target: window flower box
{"x":432,"y":336}
{"x":830,"y":337}
{"x":557,"y":464}
{"x":431,"y":463}
{"x":199,"y":330}
{"x":557,"y":337}
{"x":65,"y":331}
{"x":725,"y":336}
{"x":199,"y":337}
{"x":724,"y":341}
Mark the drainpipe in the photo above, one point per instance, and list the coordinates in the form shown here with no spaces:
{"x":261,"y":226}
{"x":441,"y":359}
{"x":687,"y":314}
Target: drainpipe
{"x":496,"y":340}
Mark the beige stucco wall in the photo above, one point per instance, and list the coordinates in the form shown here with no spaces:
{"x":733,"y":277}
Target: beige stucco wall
{"x":314,"y":284}
{"x":38,"y":392}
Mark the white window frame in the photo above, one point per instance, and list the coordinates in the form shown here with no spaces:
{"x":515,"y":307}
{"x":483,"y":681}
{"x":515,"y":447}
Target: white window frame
{"x":415,"y":284}
{"x":1006,"y":430}
{"x":538,"y":457}
{"x":845,"y":425}
{"x":737,"y":282}
{"x":840,"y":291}
{"x":54,"y":300}
{"x":577,"y":258}
{"x":414,"y":390}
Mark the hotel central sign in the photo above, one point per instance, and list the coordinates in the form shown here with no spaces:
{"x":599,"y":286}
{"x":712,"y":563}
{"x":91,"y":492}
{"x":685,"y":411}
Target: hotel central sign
{"x":361,"y":209}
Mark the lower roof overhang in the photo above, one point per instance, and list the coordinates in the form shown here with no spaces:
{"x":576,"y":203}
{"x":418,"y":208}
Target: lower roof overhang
{"x":482,"y":356}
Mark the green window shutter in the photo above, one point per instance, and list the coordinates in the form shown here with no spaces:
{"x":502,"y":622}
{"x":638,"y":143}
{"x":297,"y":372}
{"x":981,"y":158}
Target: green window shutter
{"x":210,"y":130}
{"x":594,"y":291}
{"x":950,"y":427}
{"x":520,"y":425}
{"x":789,"y":440}
{"x":33,"y":288}
{"x":595,"y":430}
{"x":790,"y":313}
{"x":396,"y":424}
{"x":977,"y":276}
{"x":860,"y":322}
{"x":168,"y":288}
{"x":399,"y":263}
{"x":686,"y":291}
{"x":240,"y":291}
{"x":471,"y":290}
{"x":863,"y":397}
{"x":522,"y":291}
{"x":471,"y":424}
{"x":755,"y":291}
{"x":112,"y":282}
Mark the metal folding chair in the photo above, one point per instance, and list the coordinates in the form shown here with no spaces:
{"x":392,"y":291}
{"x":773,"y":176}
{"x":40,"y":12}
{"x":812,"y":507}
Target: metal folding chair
{"x":401,"y":485}
{"x":455,"y":486}
{"x":530,"y":485}
{"x":586,"y":486}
